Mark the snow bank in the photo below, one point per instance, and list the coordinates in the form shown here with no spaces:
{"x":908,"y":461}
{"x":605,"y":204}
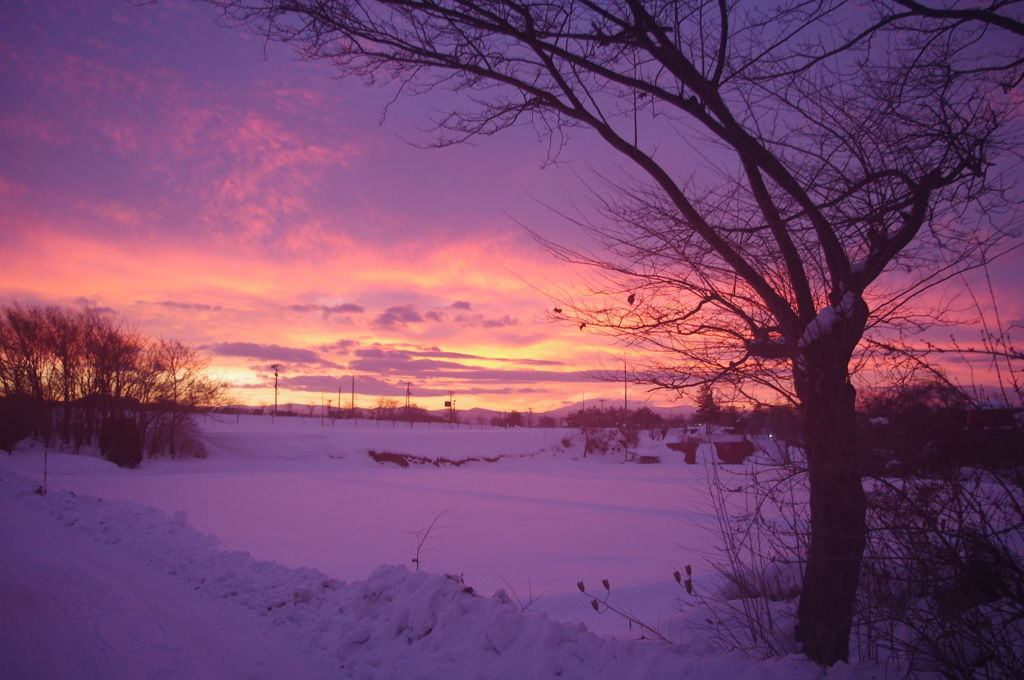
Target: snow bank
{"x":406,"y":624}
{"x":397,"y":623}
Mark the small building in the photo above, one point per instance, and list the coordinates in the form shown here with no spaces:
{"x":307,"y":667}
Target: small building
{"x":688,"y":447}
{"x":991,"y":414}
{"x":734,"y":452}
{"x":732,"y":449}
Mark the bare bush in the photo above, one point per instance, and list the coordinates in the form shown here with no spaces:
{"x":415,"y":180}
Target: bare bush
{"x":426,"y":538}
{"x":762,"y":544}
{"x":943,"y":582}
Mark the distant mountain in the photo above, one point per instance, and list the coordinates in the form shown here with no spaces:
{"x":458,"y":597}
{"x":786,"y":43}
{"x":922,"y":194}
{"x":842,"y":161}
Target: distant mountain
{"x":470,"y":415}
{"x":664,"y":411}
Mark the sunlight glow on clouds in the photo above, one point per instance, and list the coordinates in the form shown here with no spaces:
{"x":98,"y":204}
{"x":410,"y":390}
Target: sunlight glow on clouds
{"x":248,"y":314}
{"x":165,"y":168}
{"x":158,"y":166}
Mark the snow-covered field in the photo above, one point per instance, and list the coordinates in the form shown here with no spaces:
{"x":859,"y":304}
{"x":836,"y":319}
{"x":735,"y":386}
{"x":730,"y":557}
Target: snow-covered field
{"x":135,"y":585}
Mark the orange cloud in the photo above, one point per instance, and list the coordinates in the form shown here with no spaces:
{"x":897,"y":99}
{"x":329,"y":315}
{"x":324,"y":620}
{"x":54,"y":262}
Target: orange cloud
{"x":212,"y":295}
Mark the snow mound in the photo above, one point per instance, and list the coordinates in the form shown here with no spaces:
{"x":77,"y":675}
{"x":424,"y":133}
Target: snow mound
{"x":416,"y":625}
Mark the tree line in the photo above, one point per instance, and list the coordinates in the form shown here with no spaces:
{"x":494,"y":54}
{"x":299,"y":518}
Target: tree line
{"x":83,"y":377}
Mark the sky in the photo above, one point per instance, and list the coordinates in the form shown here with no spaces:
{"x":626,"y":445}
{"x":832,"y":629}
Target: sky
{"x":215,"y":190}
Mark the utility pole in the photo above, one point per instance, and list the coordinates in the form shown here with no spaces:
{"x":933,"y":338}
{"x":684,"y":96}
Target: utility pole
{"x":321,"y":408}
{"x":625,"y":405}
{"x":408,"y":396}
{"x":625,"y":393}
{"x":451,"y":406}
{"x":277,"y":368}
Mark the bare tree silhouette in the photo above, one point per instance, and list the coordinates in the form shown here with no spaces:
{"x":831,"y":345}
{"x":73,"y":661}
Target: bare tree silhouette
{"x":98,"y":369}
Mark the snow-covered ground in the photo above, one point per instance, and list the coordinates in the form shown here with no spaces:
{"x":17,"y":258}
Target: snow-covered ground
{"x":134,"y":585}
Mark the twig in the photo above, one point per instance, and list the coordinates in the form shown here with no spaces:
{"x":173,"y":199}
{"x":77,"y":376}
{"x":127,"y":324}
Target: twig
{"x":529,"y":603}
{"x":426,"y":534}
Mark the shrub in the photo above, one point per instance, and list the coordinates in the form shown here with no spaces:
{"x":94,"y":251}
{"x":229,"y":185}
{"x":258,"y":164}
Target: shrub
{"x":121,"y":441}
{"x":943,"y":584}
{"x":599,"y":440}
{"x":17,"y":417}
{"x":177,"y":433}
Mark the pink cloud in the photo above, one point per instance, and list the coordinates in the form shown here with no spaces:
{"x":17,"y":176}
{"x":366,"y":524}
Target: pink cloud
{"x":156,"y":165}
{"x":10,"y":187}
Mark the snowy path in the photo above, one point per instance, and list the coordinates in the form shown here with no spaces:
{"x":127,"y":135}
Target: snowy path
{"x":74,"y":608}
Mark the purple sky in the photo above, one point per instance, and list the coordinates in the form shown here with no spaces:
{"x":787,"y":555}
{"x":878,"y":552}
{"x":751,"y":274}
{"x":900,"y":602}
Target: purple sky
{"x":178,"y":173}
{"x":174,"y":171}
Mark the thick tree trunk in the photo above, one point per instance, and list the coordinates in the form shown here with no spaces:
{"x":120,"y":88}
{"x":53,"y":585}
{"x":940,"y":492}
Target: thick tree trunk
{"x":837,"y":500}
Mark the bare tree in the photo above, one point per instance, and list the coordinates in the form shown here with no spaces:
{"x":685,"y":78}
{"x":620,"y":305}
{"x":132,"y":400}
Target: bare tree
{"x":65,"y":339}
{"x":99,"y":370}
{"x":386,"y":408}
{"x":801,"y":175}
{"x":182,"y":385}
{"x":22,"y":351}
{"x":998,"y":25}
{"x":23,"y":370}
{"x":116,"y":355}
